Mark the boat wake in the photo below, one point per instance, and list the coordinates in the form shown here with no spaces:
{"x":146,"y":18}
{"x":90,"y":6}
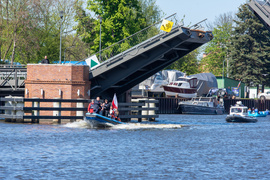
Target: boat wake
{"x":134,"y":126}
{"x":128,"y":126}
{"x":78,"y":124}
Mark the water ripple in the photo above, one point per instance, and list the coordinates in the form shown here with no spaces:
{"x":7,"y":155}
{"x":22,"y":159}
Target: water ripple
{"x":174,"y":147}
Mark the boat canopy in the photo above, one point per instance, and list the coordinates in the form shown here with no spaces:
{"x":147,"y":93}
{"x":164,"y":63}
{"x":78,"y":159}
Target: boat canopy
{"x":165,"y":75}
{"x":206,"y":81}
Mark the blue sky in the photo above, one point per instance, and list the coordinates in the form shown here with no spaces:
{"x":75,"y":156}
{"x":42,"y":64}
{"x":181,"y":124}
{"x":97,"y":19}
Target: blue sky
{"x":197,"y":10}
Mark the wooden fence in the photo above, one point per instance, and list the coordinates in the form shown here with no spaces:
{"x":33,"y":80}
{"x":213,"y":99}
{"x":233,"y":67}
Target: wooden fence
{"x":262,"y":105}
{"x":170,"y":105}
{"x":15,"y":111}
{"x":141,"y":109}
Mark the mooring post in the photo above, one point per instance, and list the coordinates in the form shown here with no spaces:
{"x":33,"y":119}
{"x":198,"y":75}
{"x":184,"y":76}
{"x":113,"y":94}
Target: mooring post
{"x":152,"y":112}
{"x":8,"y":104}
{"x":35,"y":112}
{"x":146,"y":106}
{"x":18,"y":102}
{"x":79,"y":105}
{"x":58,"y":112}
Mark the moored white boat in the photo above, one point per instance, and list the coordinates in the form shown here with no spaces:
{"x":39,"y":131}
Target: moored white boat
{"x":184,"y":87}
{"x":239,"y":114}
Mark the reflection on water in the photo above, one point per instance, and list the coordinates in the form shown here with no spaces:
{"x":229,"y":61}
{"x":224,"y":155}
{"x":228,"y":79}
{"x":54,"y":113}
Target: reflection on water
{"x":174,"y":147}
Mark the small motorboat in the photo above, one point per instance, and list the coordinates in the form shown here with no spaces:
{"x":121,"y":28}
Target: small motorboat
{"x":185,"y":87}
{"x":99,"y":121}
{"x":201,"y":105}
{"x":257,"y":113}
{"x":239,"y":114}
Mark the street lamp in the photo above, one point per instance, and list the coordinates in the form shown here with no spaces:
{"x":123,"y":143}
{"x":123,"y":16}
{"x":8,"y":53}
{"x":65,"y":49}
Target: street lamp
{"x":100,"y":21}
{"x":65,"y":53}
{"x":61,"y":14}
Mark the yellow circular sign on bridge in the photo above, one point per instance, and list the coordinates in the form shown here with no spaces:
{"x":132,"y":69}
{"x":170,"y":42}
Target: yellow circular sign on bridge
{"x":166,"y":25}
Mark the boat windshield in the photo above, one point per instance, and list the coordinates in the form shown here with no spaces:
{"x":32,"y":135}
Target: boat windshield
{"x":236,"y":110}
{"x":158,"y":77}
{"x":182,"y":79}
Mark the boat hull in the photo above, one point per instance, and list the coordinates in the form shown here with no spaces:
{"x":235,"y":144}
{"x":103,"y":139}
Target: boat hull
{"x":180,"y":92}
{"x":99,"y":121}
{"x":240,"y":119}
{"x":261,"y":114}
{"x":195,"y":109}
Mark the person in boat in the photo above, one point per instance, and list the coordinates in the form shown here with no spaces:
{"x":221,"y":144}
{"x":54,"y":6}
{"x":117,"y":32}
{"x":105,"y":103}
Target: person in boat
{"x":114,"y":114}
{"x":91,"y":107}
{"x":105,"y":108}
{"x":256,"y":111}
{"x":97,"y":105}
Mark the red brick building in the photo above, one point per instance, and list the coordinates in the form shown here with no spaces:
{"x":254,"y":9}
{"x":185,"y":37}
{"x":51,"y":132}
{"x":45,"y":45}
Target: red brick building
{"x":49,"y":81}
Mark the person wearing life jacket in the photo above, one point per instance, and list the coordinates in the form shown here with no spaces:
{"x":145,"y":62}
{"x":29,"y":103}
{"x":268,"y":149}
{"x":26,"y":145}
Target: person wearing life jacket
{"x":114,"y":114}
{"x":105,"y":110}
{"x":97,"y":105}
{"x":91,"y":107}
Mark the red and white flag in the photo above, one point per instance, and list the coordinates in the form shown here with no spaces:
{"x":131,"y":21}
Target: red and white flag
{"x":115,"y":102}
{"x":239,"y":84}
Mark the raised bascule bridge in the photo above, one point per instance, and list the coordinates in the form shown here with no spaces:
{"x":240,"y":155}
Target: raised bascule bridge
{"x":119,"y":73}
{"x":134,"y":59}
{"x":262,"y":10}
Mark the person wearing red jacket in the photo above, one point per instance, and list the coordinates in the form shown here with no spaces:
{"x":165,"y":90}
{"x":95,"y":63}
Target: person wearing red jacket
{"x":91,"y":107}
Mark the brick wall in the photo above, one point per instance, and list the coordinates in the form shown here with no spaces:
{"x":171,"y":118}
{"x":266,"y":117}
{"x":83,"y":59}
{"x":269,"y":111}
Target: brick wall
{"x":49,"y":81}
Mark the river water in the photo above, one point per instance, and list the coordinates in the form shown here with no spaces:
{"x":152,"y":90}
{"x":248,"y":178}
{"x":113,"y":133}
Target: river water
{"x":205,"y":147}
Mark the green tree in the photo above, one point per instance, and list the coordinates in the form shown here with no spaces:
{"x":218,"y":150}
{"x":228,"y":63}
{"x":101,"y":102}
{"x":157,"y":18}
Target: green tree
{"x":120,"y":19}
{"x":188,"y":64}
{"x":29,"y":30}
{"x":249,"y":49}
{"x":150,"y":11}
{"x":216,"y":50}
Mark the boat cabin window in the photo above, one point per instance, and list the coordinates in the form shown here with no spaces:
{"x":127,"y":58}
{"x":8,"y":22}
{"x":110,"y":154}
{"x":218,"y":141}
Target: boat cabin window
{"x":171,"y":83}
{"x":175,"y":84}
{"x":236,"y":110}
{"x":179,"y":84}
{"x":193,"y":83}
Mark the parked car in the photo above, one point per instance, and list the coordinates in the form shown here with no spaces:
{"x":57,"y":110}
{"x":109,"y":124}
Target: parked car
{"x":264,"y":96}
{"x":225,"y":93}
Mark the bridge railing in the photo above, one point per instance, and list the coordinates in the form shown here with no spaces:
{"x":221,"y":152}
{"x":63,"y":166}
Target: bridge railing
{"x":12,"y":76}
{"x":124,"y":46}
{"x":12,"y":66}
